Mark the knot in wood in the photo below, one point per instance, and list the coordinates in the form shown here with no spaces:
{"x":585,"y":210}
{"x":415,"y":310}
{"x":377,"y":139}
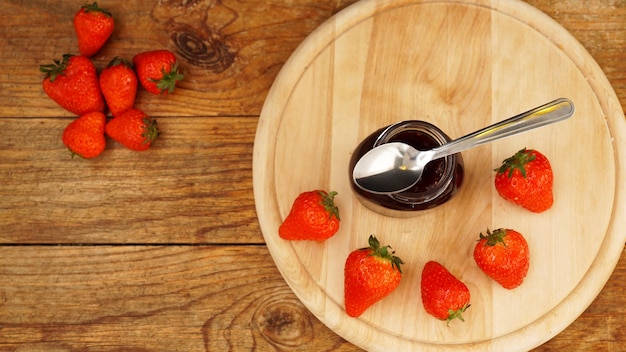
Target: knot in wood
{"x":206,"y":51}
{"x":284,"y":323}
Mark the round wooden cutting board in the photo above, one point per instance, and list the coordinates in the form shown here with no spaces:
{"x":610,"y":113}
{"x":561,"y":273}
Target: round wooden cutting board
{"x":460,"y":65}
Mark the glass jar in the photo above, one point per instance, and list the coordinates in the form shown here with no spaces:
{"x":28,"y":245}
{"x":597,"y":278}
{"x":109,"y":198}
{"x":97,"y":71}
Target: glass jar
{"x":440,"y":181}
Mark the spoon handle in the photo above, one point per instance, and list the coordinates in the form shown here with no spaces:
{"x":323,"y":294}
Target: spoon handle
{"x":551,"y":112}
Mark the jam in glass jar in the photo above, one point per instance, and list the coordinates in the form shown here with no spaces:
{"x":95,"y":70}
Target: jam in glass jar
{"x":440,"y":181}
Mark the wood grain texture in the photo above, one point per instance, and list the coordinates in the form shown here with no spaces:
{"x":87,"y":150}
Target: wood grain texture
{"x":206,"y":283}
{"x":230,"y":51}
{"x":599,"y":26}
{"x":196,"y":298}
{"x":151,"y":298}
{"x":180,"y":191}
{"x":235,"y":42}
{"x":448,"y":63}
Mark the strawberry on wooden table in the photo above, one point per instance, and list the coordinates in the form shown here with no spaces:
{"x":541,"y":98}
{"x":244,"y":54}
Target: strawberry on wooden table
{"x":133,"y":129}
{"x":526,"y":179}
{"x":504,"y":256}
{"x":85,"y":135}
{"x":73,"y":84}
{"x":118,"y":83}
{"x":370,"y":274}
{"x":443,"y":295}
{"x":157,"y":71}
{"x":93,"y":26}
{"x":313,"y":216}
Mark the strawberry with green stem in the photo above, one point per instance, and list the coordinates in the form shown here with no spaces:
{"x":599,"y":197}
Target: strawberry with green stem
{"x":157,"y":71}
{"x":85,"y":135}
{"x":526,"y":179}
{"x":133,"y":129}
{"x":443,"y":295}
{"x":73,"y":84}
{"x":93,"y":25}
{"x":370,"y":274}
{"x":504,"y":256}
{"x":313,"y":216}
{"x":118,"y":83}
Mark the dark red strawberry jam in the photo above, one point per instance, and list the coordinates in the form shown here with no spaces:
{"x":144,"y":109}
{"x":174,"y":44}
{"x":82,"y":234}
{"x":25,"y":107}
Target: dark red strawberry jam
{"x":440,"y":181}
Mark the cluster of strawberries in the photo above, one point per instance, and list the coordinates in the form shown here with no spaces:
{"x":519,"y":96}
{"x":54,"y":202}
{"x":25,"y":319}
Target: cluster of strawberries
{"x":373,"y":272}
{"x":75,"y":85}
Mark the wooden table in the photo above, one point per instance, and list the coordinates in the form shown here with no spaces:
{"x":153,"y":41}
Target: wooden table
{"x":161,"y":250}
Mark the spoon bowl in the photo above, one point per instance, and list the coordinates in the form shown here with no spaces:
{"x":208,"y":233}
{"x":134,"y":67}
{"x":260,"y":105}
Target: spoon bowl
{"x":395,"y":167}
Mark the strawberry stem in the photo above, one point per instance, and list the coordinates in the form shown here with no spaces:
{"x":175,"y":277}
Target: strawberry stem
{"x":95,"y":8}
{"x":329,"y":204}
{"x":495,"y":237}
{"x":119,"y":61}
{"x":55,"y":69}
{"x":456,"y":314}
{"x":151,"y":131}
{"x":169,"y":79}
{"x":383,"y":252}
{"x":517,"y":161}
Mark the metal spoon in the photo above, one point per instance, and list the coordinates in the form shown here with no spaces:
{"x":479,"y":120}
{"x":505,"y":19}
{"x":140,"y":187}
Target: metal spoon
{"x":395,"y":167}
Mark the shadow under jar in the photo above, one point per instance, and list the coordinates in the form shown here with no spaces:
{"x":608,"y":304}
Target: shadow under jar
{"x":440,"y":181}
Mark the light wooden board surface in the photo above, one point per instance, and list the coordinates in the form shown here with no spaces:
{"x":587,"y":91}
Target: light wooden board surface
{"x":460,"y":65}
{"x":163,"y":251}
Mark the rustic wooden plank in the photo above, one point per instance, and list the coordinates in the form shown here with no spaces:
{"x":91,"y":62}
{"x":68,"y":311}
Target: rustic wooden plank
{"x":151,"y":298}
{"x":230,"y":51}
{"x":193,"y":186}
{"x":194,"y":298}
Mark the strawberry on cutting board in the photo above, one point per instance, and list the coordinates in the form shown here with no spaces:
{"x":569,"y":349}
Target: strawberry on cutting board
{"x":133,"y":129}
{"x":157,"y":71}
{"x":118,"y":83}
{"x":313,"y":216}
{"x":443,"y":295}
{"x":73,"y":84}
{"x":503,"y":255}
{"x":526,"y":179}
{"x":370,"y":274}
{"x":85,"y":135}
{"x":93,"y":26}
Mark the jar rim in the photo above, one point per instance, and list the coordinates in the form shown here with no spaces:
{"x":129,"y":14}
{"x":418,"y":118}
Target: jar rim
{"x":440,"y":138}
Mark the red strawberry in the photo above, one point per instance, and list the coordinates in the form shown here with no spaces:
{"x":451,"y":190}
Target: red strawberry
{"x":73,"y":84}
{"x":93,"y":26}
{"x":503,"y":255}
{"x":526,"y":179}
{"x":313,"y":216}
{"x":133,"y":129}
{"x":443,"y":295}
{"x":371,"y":274}
{"x":85,"y":135}
{"x":157,"y":71}
{"x":118,"y":83}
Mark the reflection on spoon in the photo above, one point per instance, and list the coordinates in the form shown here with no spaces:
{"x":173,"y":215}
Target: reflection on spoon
{"x":395,"y":167}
